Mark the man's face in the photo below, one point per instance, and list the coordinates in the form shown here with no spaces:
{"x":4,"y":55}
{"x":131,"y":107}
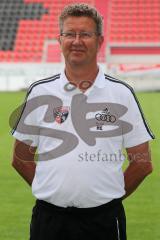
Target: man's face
{"x":80,"y":50}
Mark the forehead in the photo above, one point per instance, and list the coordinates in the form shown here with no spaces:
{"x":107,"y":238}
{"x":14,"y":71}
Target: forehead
{"x":79,"y":23}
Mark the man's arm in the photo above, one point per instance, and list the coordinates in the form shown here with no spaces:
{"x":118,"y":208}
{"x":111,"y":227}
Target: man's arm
{"x":139,"y":167}
{"x":23,"y":160}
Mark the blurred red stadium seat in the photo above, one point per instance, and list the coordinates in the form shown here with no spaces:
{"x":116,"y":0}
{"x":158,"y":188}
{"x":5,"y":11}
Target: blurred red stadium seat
{"x":135,"y":21}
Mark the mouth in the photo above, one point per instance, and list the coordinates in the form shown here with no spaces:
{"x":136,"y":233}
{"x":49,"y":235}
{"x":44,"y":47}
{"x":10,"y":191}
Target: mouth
{"x":77,"y":50}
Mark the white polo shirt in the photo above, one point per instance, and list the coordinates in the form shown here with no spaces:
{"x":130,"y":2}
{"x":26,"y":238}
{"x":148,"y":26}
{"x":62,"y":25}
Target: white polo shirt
{"x":80,"y":138}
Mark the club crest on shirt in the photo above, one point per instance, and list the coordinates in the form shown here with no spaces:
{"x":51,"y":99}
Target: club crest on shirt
{"x":60,"y":114}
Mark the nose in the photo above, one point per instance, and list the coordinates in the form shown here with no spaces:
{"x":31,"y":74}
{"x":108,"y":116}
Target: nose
{"x":77,"y":39}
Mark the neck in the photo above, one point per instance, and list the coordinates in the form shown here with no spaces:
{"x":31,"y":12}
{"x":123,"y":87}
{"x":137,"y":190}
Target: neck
{"x":81,"y":77}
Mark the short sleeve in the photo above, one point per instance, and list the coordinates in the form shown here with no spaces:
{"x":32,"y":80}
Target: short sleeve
{"x":140,"y":131}
{"x":26,"y":125}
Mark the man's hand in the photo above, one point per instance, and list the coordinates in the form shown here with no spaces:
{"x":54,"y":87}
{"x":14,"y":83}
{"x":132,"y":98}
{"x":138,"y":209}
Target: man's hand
{"x":139,"y":167}
{"x":23,"y":160}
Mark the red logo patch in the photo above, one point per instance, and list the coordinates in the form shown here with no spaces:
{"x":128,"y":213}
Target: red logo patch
{"x":61,"y":114}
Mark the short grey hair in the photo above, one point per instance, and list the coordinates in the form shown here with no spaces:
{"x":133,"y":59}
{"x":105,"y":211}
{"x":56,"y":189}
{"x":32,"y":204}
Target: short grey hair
{"x":82,"y":10}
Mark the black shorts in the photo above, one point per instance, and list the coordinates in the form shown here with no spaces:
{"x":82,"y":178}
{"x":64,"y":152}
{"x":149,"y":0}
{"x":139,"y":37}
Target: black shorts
{"x":105,"y":222}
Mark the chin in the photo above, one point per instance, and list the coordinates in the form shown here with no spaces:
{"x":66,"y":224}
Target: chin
{"x":77,"y":62}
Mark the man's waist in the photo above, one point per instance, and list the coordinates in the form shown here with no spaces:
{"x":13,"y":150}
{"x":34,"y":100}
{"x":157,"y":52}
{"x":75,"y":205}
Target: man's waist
{"x":52,"y":207}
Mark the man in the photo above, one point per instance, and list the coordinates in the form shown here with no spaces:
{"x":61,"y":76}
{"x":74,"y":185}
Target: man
{"x":79,"y":121}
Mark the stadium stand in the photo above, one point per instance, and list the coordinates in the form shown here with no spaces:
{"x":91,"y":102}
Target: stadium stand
{"x":29,"y":28}
{"x":134,"y":31}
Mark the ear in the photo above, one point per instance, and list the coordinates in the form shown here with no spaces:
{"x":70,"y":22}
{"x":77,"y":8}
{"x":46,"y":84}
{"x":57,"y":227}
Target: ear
{"x":100,"y":41}
{"x":58,"y":38}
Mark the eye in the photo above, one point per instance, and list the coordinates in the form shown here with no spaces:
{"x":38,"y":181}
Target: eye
{"x":85,"y":34}
{"x":69,"y":34}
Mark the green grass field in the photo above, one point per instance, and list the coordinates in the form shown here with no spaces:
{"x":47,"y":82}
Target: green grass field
{"x":16,"y":201}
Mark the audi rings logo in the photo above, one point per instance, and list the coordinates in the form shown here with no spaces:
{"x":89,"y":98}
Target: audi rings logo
{"x":105,"y":116}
